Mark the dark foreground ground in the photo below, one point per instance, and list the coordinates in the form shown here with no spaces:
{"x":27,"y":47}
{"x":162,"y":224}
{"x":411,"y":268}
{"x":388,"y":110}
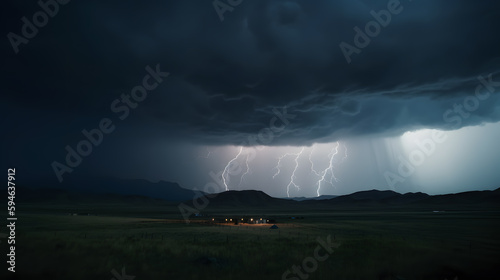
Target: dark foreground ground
{"x":151,"y":242}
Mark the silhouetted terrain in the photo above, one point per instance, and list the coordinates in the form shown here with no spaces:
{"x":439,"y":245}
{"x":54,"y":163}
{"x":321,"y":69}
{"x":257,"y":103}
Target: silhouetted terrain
{"x":143,"y":191}
{"x":302,"y":198}
{"x":372,"y":198}
{"x":383,"y":234}
{"x":107,"y":188}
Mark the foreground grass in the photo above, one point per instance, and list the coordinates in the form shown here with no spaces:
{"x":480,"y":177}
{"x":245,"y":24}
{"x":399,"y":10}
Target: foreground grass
{"x":371,"y":246}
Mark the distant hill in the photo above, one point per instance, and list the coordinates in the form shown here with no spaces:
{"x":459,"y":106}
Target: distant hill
{"x":382,"y":197}
{"x":161,"y":190}
{"x":391,"y":198}
{"x":140,"y":191}
{"x":466,"y":198}
{"x":54,"y":195}
{"x":248,"y":199}
{"x":373,"y":195}
{"x":363,"y":199}
{"x":302,"y":198}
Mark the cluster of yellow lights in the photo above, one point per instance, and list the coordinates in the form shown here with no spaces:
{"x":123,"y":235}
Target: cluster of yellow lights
{"x":251,"y":219}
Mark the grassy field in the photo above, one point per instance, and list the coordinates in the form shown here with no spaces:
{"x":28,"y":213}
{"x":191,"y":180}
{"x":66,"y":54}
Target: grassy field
{"x":151,"y":242}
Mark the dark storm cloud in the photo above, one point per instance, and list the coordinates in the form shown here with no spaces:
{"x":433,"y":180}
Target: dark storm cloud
{"x":226,"y":77}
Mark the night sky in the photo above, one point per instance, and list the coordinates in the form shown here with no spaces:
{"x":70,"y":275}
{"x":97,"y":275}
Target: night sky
{"x":351,"y":95}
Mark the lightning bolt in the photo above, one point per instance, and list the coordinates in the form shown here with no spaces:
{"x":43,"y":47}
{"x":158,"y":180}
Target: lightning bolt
{"x":292,"y":177}
{"x":225,"y":179}
{"x":312,"y":163}
{"x":246,"y":171}
{"x":277,"y":167}
{"x":333,"y":177}
{"x":345,"y":152}
{"x":329,"y":169}
{"x":208,"y":153}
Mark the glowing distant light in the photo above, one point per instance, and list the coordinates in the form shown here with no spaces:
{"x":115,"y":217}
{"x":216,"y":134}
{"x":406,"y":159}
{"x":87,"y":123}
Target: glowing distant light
{"x":414,"y":135}
{"x":423,"y":139}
